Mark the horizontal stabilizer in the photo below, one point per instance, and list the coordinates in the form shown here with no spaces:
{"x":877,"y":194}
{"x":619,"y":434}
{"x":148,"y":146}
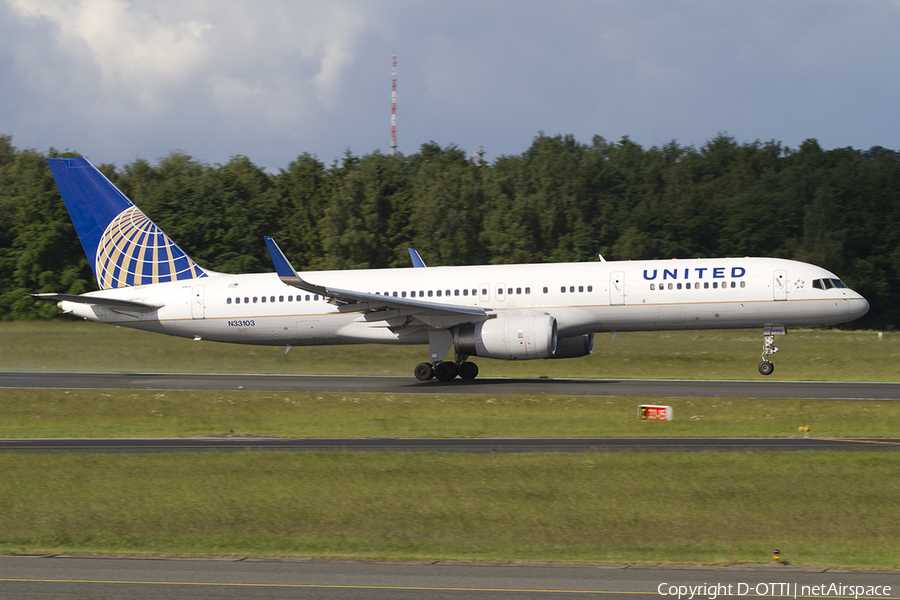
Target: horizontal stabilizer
{"x":100,"y":301}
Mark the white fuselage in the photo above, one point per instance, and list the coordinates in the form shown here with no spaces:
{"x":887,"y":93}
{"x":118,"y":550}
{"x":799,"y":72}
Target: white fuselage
{"x":582,"y":297}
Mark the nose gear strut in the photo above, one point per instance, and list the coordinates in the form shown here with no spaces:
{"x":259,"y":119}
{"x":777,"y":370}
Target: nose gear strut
{"x":766,"y":367}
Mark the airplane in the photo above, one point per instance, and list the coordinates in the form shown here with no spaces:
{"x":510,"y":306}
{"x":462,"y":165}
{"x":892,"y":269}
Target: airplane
{"x":507,"y":312}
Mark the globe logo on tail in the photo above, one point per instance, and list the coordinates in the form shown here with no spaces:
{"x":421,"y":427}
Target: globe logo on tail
{"x":134,"y":251}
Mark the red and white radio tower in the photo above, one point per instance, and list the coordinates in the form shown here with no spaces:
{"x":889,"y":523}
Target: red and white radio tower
{"x":394,"y":108}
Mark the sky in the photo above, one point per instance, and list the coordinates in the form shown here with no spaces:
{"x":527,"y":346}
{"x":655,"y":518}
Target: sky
{"x":119,"y":80}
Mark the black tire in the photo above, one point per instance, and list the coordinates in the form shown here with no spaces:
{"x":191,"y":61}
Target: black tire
{"x":766,"y":368}
{"x":424,"y":371}
{"x":468,"y":370}
{"x":445,"y":371}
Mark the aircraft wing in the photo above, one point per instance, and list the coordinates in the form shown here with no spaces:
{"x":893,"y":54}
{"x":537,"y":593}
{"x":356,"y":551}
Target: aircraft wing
{"x":377,"y":306}
{"x":100,"y":301}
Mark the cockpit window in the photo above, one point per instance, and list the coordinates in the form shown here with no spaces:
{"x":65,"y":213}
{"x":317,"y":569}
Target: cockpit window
{"x":827,"y":284}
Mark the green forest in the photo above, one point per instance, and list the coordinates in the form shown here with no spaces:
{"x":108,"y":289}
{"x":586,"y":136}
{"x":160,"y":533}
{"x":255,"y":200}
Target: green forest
{"x":560,"y":200}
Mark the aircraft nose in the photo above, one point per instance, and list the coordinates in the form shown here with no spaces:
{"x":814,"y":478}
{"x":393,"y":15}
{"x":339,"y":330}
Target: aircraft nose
{"x":857,"y":307}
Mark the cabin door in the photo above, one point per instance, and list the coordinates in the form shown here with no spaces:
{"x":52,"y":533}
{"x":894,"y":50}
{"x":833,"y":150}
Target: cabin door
{"x":779,"y":285}
{"x":198,"y":302}
{"x":617,"y":288}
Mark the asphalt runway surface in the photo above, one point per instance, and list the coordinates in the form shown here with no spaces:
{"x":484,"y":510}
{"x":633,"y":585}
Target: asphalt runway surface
{"x":468,"y":445}
{"x":147,"y":578}
{"x":409,"y":385}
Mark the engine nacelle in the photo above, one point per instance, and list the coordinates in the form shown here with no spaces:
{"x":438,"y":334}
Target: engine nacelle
{"x":574,"y":347}
{"x":521,"y":337}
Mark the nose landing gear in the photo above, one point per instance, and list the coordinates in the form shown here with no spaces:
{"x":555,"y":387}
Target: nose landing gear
{"x":766,"y":367}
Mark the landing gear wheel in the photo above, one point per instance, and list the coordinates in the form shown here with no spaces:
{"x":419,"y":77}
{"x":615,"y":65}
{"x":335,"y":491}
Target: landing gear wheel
{"x":445,"y":371}
{"x":766,"y":368}
{"x":424,"y":371}
{"x":468,"y":370}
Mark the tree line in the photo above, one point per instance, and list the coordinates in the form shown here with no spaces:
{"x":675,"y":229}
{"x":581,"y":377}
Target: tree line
{"x":560,"y":200}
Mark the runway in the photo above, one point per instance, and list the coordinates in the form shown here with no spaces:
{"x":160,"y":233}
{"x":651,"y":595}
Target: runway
{"x":117,"y":577}
{"x":409,"y":385}
{"x":466,"y":445}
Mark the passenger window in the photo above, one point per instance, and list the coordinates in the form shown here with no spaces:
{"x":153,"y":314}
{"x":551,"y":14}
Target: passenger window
{"x":403,"y":294}
{"x":670,"y":286}
{"x":447,"y":292}
{"x":580,"y":288}
{"x":474,"y":292}
{"x":465,"y":292}
{"x":307,"y":297}
{"x":678,"y":286}
{"x":456,"y":292}
{"x":421,"y":294}
{"x":528,"y":290}
{"x":246,"y":300}
{"x":439,"y":293}
{"x":263,"y":299}
{"x":430,"y":293}
{"x":572,"y":288}
{"x":228,"y":301}
{"x":254,"y":299}
{"x":562,"y":289}
{"x":743,"y":284}
{"x":652,"y":286}
{"x":687,"y":286}
{"x":484,"y":291}
{"x":590,"y":288}
{"x":518,"y":290}
{"x":281,"y":298}
{"x":271,"y":298}
{"x":733,"y":284}
{"x":546,"y":290}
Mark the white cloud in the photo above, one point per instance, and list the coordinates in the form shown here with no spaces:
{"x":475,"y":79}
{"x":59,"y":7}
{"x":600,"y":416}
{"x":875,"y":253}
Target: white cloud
{"x":133,"y":47}
{"x":118,"y":79}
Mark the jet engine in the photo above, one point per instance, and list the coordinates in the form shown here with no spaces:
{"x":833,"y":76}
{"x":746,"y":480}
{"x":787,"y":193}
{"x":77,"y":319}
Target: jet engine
{"x":515,"y":337}
{"x":573,"y":347}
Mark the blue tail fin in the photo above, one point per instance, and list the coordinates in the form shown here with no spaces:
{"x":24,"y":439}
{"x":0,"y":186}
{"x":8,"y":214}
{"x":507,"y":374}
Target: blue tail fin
{"x":123,"y":246}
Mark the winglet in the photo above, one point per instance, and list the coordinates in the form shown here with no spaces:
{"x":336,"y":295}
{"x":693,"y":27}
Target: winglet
{"x":416,"y":259}
{"x":286,"y":271}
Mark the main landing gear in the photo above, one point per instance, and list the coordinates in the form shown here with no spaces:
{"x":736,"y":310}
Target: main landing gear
{"x":447,"y":370}
{"x":766,"y":367}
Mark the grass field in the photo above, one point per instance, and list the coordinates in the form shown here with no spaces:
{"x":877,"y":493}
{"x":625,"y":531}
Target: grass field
{"x":142,"y":413}
{"x":811,"y":355}
{"x":825,"y":508}
{"x":829,"y":509}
